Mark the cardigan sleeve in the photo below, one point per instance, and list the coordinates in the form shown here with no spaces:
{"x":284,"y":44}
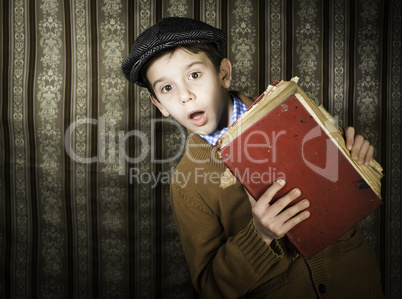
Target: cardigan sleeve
{"x":220,"y":267}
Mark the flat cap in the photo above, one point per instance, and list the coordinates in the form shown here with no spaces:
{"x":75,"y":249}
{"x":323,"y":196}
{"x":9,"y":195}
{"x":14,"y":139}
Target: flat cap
{"x":169,"y":33}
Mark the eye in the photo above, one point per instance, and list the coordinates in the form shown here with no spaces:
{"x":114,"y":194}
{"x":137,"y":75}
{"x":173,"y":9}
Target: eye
{"x":166,"y":88}
{"x":195,"y":75}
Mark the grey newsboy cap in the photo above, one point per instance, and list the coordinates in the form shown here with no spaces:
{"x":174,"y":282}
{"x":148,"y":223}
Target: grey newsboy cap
{"x":168,"y":33}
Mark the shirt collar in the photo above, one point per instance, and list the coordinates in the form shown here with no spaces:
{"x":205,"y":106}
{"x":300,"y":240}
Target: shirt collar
{"x":238,"y":108}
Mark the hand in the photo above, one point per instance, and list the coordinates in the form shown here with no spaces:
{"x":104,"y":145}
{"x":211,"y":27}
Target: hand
{"x":361,"y":150}
{"x":273,"y":221}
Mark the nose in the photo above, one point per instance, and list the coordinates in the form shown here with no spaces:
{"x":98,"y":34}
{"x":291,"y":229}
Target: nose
{"x":186,"y":95}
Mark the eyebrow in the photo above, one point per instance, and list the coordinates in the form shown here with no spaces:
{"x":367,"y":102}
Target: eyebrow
{"x":186,"y":68}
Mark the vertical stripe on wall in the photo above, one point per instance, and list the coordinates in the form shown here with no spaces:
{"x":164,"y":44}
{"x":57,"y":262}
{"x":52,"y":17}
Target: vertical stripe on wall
{"x":31,"y":116}
{"x":93,"y":149}
{"x":337,"y":60}
{"x":3,"y":125}
{"x":49,"y":108}
{"x":243,"y":45}
{"x":367,"y":93}
{"x":368,"y":69}
{"x":178,"y":8}
{"x":20,"y":259}
{"x":133,"y":152}
{"x":210,"y":12}
{"x":307,"y":47}
{"x":112,"y":203}
{"x":144,"y":281}
{"x":5,"y":229}
{"x":78,"y":149}
{"x":392,"y":219}
{"x":275,"y":42}
{"x":67,"y":91}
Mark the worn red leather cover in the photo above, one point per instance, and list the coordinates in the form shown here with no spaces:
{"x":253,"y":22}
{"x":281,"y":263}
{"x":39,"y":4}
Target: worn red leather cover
{"x":288,"y":143}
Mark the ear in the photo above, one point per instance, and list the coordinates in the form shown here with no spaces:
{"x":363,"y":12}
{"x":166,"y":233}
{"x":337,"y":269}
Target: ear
{"x":159,"y":106}
{"x":226,"y":73}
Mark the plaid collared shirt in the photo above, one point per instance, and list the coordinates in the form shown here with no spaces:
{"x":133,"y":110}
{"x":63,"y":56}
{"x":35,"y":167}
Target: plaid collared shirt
{"x":238,"y":108}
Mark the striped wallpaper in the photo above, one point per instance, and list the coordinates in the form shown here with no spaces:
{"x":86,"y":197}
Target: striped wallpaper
{"x":85,"y":159}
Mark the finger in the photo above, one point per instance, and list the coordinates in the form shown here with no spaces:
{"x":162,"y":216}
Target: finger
{"x":289,"y":218}
{"x":356,"y":147}
{"x":293,"y":210}
{"x":267,"y":196}
{"x":369,"y":155}
{"x":363,"y":151}
{"x":350,"y":137}
{"x":292,"y":222}
{"x":282,"y":203}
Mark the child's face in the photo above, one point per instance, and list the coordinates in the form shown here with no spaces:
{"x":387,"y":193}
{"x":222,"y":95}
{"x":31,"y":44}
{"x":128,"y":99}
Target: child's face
{"x":189,"y":89}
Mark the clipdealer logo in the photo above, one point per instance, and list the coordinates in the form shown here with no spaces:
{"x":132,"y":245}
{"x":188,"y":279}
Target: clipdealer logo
{"x":112,"y":147}
{"x":331,"y":170}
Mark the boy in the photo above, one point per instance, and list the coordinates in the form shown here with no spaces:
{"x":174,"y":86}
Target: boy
{"x":234,"y":250}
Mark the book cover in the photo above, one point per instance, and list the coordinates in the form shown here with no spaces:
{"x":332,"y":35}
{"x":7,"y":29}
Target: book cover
{"x":285,"y":135}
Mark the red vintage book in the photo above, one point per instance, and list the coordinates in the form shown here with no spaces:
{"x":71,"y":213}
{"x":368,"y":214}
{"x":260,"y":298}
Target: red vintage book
{"x":285,"y":135}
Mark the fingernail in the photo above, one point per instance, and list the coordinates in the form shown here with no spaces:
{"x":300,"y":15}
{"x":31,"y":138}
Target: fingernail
{"x":297,"y":192}
{"x":349,"y":147}
{"x":305,"y":203}
{"x":281,"y":181}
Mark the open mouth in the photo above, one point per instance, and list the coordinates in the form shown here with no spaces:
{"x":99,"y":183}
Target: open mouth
{"x":198,"y":117}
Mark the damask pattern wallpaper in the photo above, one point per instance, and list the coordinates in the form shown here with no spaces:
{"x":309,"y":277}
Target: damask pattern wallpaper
{"x":85,"y":159}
